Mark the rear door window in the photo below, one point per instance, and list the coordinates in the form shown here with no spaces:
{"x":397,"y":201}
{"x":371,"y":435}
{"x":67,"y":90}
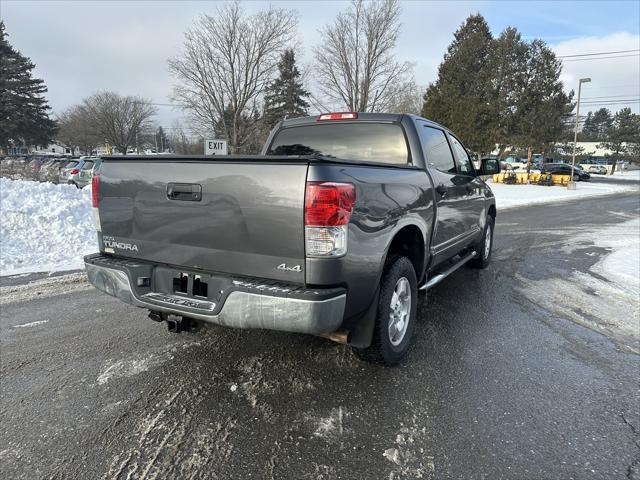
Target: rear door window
{"x":436,"y":149}
{"x":87,"y":165}
{"x":363,"y":141}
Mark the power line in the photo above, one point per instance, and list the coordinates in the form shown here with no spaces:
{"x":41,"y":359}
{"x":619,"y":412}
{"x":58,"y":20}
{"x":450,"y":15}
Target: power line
{"x":601,"y":58}
{"x":599,"y":53}
{"x":594,"y":104}
{"x":609,"y":96}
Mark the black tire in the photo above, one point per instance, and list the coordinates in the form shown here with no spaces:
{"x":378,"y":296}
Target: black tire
{"x":576,"y":178}
{"x":383,"y":349}
{"x":483,"y":256}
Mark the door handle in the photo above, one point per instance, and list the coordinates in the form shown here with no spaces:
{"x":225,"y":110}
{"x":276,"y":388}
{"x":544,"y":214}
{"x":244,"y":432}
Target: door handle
{"x":442,"y":190}
{"x":189,"y":192}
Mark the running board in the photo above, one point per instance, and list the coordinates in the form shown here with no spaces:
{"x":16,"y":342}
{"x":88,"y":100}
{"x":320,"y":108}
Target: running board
{"x":441,"y":276}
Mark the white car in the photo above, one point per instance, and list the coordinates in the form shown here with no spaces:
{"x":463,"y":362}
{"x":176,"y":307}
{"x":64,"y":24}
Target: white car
{"x":599,"y":169}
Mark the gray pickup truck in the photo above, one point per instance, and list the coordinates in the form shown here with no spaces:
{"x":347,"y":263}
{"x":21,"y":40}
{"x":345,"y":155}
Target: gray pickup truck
{"x":333,"y":230}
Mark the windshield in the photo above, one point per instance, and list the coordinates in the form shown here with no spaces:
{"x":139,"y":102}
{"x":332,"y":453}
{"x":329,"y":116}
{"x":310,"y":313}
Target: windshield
{"x":369,"y":142}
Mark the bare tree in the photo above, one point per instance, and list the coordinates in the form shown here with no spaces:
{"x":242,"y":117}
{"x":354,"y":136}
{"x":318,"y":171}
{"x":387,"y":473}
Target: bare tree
{"x":355,"y":65}
{"x":182,"y":143}
{"x":117,"y":119}
{"x":74,"y":130}
{"x":228,"y":60}
{"x":407,"y":98}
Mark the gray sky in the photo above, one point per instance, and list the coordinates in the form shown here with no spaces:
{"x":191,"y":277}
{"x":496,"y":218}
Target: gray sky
{"x":81,"y":47}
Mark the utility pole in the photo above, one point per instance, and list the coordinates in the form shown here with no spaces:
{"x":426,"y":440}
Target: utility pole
{"x":571,"y":185}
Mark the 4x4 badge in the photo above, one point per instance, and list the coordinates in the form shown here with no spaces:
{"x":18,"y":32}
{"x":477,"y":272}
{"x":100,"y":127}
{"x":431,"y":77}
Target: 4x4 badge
{"x":283,"y":266}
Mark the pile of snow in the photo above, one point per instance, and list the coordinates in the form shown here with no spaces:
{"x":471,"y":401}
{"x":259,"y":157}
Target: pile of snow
{"x":622,"y":265}
{"x":44,"y":227}
{"x":633,"y":175}
{"x":509,"y":196}
{"x":605,"y":298}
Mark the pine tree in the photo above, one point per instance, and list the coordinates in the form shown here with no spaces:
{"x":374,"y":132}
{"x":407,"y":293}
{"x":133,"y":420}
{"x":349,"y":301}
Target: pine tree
{"x":24,"y":112}
{"x":460,"y":98}
{"x":623,"y":132}
{"x":532,"y":108}
{"x":600,"y":123}
{"x":286,"y":95}
{"x":588,"y":132}
{"x":543,"y":106}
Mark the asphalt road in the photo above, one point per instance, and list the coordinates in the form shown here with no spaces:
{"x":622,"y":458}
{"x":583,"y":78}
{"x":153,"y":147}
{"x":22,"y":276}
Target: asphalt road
{"x":498,"y":385}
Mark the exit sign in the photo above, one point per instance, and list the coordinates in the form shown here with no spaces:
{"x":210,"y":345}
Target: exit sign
{"x":215,"y":147}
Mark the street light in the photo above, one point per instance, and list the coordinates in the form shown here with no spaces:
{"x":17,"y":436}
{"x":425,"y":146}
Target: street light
{"x":571,"y":185}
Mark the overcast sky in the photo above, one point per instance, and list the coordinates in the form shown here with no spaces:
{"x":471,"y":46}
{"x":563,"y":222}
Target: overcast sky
{"x":81,"y":47}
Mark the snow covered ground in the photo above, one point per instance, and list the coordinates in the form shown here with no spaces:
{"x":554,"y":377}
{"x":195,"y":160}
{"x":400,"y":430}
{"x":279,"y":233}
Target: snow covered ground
{"x":44,"y":227}
{"x":626,"y":175}
{"x":509,"y":196}
{"x":605,"y":298}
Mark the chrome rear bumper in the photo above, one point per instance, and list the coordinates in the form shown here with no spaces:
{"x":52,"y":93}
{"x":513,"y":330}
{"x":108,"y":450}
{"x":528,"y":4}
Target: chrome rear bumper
{"x":241,"y":309}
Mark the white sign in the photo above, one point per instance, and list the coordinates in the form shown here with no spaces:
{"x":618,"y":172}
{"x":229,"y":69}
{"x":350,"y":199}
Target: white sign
{"x":215,"y":147}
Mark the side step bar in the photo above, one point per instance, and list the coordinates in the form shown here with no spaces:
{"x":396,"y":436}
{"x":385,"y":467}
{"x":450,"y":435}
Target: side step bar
{"x":441,"y":276}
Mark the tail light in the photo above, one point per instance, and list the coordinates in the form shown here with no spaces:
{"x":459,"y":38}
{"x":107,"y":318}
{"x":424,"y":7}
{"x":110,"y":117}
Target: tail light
{"x":75,"y":171}
{"x":338,"y":116}
{"x":95,"y":184}
{"x":327,"y":211}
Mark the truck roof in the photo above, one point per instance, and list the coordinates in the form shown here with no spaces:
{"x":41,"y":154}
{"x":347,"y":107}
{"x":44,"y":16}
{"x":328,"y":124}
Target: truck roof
{"x":365,"y":116}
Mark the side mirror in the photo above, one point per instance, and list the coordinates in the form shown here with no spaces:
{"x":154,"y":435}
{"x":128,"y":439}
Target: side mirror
{"x":489,"y":166}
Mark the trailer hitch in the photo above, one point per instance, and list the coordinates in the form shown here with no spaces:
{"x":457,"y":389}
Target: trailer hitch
{"x":175,"y":323}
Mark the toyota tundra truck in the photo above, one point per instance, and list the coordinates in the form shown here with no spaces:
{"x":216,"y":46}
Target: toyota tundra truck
{"x":332,"y":231}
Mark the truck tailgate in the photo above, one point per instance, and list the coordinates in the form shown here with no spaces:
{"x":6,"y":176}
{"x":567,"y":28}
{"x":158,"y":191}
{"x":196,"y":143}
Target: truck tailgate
{"x":236,"y":217}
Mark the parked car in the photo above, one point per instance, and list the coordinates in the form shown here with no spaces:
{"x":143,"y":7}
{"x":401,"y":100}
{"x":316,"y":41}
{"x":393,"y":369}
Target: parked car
{"x":50,"y":171}
{"x":33,"y":167}
{"x":66,"y":171}
{"x":599,"y":169}
{"x":332,"y":231}
{"x":16,"y":167}
{"x":84,"y":176}
{"x":565,"y":169}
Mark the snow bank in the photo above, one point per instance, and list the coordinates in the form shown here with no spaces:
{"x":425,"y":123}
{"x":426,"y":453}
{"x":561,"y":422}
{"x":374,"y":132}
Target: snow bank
{"x":622,"y":265}
{"x":509,"y":196}
{"x":633,"y":175}
{"x":44,"y":227}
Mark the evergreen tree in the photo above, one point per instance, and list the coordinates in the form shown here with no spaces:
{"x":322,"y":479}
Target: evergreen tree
{"x":587,"y":134}
{"x":24,"y":112}
{"x":623,"y":132}
{"x":532,"y":107}
{"x":543,"y":105}
{"x":161,"y":140}
{"x":462,"y":96}
{"x":596,"y":125}
{"x":285,"y":96}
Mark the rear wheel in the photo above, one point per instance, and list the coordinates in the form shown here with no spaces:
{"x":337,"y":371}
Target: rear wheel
{"x":396,"y":316}
{"x":484,"y":248}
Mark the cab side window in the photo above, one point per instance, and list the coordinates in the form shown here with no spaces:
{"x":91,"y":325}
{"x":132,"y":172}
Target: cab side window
{"x":436,"y":149}
{"x":465,"y":167}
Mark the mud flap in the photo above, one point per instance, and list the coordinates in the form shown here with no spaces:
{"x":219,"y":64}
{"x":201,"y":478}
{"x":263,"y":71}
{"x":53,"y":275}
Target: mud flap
{"x":362,"y":331}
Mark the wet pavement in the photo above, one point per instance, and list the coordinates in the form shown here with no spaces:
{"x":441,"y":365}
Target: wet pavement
{"x":499,"y":384}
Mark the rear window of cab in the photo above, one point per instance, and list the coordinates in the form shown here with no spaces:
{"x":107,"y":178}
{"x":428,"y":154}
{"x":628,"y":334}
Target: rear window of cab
{"x":361,"y":141}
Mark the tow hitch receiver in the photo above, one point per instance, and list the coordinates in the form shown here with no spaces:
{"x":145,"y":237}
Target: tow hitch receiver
{"x":175,"y":323}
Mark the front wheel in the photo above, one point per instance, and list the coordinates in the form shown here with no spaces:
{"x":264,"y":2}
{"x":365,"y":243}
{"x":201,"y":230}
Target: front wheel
{"x":396,"y":316}
{"x":484,"y":248}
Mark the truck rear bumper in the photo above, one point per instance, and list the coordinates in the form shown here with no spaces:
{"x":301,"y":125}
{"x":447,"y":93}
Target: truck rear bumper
{"x":244,"y":304}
